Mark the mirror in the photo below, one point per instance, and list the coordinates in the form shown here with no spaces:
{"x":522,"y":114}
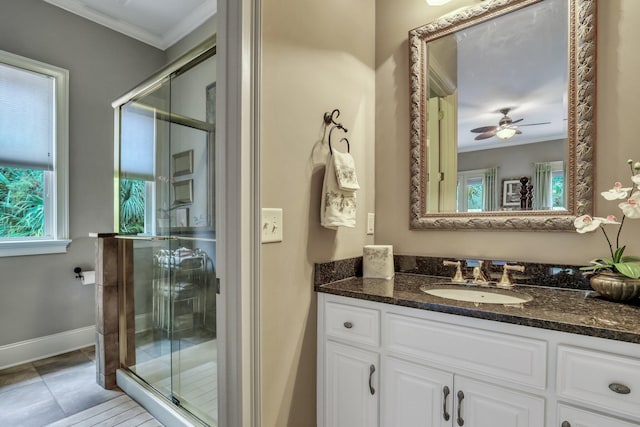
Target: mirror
{"x":502,"y":116}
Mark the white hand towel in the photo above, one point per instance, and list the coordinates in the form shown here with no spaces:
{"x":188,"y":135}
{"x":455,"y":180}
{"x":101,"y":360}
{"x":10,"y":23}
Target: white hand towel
{"x":337,"y":207}
{"x":345,"y":171}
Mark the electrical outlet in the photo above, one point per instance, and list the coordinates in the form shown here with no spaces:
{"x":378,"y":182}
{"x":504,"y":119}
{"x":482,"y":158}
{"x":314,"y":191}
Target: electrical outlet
{"x":371,"y":222}
{"x":271,"y":225}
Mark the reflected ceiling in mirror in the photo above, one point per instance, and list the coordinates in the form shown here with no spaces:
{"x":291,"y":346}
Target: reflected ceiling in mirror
{"x":499,"y":92}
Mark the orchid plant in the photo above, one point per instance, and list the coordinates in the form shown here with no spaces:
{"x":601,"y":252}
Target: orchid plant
{"x":618,"y":263}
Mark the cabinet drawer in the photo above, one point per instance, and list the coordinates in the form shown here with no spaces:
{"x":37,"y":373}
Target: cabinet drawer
{"x":592,"y":377}
{"x":356,"y":324}
{"x":501,"y":356}
{"x":580,"y":418}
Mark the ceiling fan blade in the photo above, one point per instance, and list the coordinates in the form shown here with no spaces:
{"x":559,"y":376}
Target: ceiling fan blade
{"x":516,"y":121}
{"x":485,"y":135}
{"x":484,"y":129}
{"x":535,"y":124}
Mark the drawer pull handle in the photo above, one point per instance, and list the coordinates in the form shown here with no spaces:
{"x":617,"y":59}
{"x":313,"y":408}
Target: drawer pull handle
{"x":460,"y":398}
{"x":619,"y":388}
{"x":565,"y":424}
{"x":372,"y":369}
{"x":445,"y":414}
{"x":348,"y":325}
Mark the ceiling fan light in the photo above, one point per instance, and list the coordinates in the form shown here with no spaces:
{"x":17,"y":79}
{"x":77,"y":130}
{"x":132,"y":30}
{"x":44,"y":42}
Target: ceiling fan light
{"x":505,"y":133}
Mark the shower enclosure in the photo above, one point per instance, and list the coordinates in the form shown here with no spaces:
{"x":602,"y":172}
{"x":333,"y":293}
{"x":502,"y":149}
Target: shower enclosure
{"x":166,"y":206}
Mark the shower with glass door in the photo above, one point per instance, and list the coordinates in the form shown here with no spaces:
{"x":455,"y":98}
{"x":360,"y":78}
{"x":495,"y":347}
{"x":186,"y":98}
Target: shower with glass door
{"x":166,"y":206}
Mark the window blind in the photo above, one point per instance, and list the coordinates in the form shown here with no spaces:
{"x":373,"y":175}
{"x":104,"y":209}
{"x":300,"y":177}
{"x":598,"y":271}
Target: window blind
{"x":137,"y":127}
{"x":27,"y":118}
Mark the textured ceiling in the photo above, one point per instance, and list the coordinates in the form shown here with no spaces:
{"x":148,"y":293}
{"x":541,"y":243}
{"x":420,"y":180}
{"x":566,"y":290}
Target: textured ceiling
{"x":517,"y":61}
{"x":159,"y":23}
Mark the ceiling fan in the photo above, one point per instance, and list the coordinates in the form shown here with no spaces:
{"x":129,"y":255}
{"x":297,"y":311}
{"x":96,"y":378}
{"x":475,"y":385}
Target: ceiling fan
{"x":505,"y":129}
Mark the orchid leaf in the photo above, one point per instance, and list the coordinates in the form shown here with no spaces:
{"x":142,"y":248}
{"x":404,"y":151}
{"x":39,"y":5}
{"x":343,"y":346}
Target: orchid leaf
{"x":594,"y":267}
{"x":602,"y":261}
{"x":630,"y":258}
{"x":628,"y":269}
{"x":618,"y":254}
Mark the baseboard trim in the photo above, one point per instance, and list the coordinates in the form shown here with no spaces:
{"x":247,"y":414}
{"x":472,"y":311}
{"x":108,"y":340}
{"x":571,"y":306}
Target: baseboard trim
{"x":47,"y":346}
{"x":144,"y":322}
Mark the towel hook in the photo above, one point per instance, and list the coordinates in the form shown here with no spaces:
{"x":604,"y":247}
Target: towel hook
{"x":347,"y":141}
{"x":338,"y":126}
{"x":329,"y":119}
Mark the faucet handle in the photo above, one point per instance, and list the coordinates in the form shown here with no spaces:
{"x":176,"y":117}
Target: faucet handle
{"x":505,"y":280}
{"x":457,"y":278}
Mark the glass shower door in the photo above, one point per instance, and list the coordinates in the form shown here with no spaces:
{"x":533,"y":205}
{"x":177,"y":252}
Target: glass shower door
{"x":143,"y":139}
{"x":194,"y":343}
{"x":167,"y":205}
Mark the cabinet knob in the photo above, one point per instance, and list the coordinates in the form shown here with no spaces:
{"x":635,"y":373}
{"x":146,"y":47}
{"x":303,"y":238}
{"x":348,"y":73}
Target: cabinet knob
{"x":565,"y":424}
{"x":348,"y":325}
{"x":619,"y":388}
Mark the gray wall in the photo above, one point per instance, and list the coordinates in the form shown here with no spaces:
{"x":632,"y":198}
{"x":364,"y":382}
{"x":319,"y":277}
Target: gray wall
{"x":514,"y":161}
{"x":39,"y":295}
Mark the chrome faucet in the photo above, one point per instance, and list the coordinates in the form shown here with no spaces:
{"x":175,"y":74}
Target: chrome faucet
{"x":505,"y":280}
{"x":457,"y":277}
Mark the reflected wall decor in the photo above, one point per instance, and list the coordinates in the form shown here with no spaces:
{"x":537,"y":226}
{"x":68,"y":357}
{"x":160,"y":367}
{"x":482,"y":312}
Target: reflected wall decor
{"x":183,"y":192}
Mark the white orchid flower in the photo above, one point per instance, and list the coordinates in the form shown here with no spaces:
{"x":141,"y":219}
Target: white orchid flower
{"x":617,"y":192}
{"x":586,"y":224}
{"x":610,"y":219}
{"x":631,"y":208}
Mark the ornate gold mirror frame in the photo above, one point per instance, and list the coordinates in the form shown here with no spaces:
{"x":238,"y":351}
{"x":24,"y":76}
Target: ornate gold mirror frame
{"x":581,"y":122}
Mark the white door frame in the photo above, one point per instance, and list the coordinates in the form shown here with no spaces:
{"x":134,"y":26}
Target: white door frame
{"x":238,"y":205}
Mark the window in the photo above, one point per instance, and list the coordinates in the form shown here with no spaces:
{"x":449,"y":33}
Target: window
{"x":471,"y":186}
{"x":33,"y":157}
{"x":136,"y":184}
{"x":558,"y":186}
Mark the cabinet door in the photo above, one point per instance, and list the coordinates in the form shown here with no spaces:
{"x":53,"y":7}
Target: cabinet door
{"x":351,"y":392}
{"x":574,"y":417}
{"x":478,"y":404}
{"x":415,"y":396}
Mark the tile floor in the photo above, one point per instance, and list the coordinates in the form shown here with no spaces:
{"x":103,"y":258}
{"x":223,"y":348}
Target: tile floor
{"x":184,"y":368}
{"x":39,"y":393}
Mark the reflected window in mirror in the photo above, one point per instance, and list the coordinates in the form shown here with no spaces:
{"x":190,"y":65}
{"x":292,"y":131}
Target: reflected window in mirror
{"x":477,"y":190}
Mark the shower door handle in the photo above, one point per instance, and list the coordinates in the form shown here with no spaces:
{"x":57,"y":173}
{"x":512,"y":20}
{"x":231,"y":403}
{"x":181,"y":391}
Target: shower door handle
{"x":217,"y":286}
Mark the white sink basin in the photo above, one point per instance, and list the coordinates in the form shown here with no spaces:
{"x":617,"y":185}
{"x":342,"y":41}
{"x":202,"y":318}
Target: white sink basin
{"x":475,"y":295}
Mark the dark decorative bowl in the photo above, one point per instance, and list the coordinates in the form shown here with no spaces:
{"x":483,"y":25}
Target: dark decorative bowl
{"x":615,"y":287}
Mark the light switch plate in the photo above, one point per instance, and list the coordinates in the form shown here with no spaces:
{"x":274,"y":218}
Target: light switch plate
{"x":371,"y":222}
{"x":271,"y":225}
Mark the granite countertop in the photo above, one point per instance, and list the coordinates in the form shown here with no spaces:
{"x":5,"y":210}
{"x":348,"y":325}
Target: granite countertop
{"x":575,"y":311}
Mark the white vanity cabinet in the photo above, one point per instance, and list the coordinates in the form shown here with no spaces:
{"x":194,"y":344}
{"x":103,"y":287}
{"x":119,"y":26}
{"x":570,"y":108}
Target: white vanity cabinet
{"x":391,"y":366}
{"x":351,"y":381}
{"x":415,"y":395}
{"x":601,"y":381}
{"x":350,"y":366}
{"x":418,"y":396}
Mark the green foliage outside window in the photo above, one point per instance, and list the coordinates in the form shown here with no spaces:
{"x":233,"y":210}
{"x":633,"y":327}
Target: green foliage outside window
{"x":474,"y":196}
{"x":557,"y":190}
{"x":21,"y":202}
{"x":132,"y":206}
